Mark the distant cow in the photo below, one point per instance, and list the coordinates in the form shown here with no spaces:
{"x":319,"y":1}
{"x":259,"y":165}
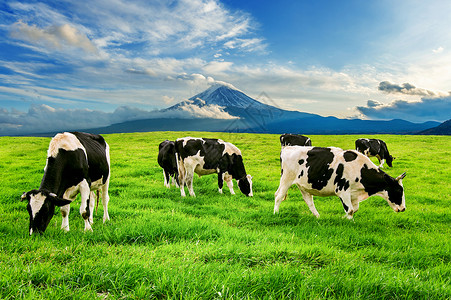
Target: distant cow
{"x":166,"y":160}
{"x":375,"y":147}
{"x":76,"y":163}
{"x":208,"y":156}
{"x":331,"y":171}
{"x":294,"y":140}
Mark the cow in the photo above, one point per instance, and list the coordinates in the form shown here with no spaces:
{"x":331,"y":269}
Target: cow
{"x":77,"y":162}
{"x":207,"y":156}
{"x":375,"y":147}
{"x":166,"y":160}
{"x":348,"y":174}
{"x":287,"y":139}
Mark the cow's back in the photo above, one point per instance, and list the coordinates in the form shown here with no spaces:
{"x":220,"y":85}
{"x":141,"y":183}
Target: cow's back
{"x":97,"y":152}
{"x":320,"y":171}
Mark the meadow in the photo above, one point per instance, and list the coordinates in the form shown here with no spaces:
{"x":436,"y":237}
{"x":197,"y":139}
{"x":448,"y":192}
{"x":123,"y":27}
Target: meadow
{"x":159,"y":245}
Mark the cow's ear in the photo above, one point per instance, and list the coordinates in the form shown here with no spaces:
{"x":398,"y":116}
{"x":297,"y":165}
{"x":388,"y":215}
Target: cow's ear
{"x":58,"y":201}
{"x":400,"y":177}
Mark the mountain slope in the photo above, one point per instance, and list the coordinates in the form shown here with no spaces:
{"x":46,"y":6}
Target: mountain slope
{"x":442,"y":129}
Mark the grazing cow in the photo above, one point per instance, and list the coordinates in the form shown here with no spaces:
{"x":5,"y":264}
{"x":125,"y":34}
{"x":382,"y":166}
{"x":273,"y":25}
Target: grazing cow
{"x":166,"y":160}
{"x":287,"y":139}
{"x":347,"y":174}
{"x":208,"y":156}
{"x":76,"y":163}
{"x":375,"y":147}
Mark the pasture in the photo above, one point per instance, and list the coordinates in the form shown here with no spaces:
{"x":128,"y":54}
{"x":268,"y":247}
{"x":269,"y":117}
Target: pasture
{"x":159,"y":245}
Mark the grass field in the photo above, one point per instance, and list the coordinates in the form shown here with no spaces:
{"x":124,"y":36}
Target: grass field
{"x":158,"y":245}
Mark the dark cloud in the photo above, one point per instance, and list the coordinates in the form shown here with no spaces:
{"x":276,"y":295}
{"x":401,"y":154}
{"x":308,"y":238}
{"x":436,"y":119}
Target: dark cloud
{"x":427,"y":109}
{"x":405,"y":88}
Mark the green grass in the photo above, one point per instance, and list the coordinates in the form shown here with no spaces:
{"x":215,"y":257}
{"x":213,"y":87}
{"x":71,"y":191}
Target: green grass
{"x":158,"y":245}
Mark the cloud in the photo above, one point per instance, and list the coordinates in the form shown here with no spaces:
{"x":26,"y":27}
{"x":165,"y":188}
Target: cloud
{"x":427,"y":109}
{"x":405,"y":88}
{"x":44,"y":118}
{"x":53,"y":36}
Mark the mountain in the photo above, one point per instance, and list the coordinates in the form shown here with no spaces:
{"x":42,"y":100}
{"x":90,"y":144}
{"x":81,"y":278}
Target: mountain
{"x":224,"y":108}
{"x":442,"y":129}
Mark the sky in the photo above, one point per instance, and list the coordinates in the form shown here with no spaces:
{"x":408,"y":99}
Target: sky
{"x":93,"y":63}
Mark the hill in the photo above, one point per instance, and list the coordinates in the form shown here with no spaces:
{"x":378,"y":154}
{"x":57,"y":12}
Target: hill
{"x":442,"y":129}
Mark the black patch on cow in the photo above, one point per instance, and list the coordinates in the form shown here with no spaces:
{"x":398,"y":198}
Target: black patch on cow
{"x":345,"y":207}
{"x":166,"y":159}
{"x":95,"y":146}
{"x":349,"y":156}
{"x":376,"y":180}
{"x":302,"y":174}
{"x":301,"y":161}
{"x":65,"y":170}
{"x":394,"y":189}
{"x":318,"y":162}
{"x":244,"y":186}
{"x":357,"y":179}
{"x":294,"y":140}
{"x":340,"y":182}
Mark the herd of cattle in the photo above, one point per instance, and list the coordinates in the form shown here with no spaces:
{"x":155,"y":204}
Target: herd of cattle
{"x":80,"y":163}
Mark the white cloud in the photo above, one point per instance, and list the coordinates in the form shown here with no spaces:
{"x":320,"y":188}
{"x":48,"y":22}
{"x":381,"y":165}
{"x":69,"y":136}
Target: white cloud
{"x":438,"y":50}
{"x":54,"y":36}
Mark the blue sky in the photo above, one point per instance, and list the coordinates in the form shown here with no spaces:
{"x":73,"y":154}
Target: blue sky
{"x":93,"y":63}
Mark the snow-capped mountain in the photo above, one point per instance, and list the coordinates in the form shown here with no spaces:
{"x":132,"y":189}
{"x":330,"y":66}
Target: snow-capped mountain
{"x":226,"y":95}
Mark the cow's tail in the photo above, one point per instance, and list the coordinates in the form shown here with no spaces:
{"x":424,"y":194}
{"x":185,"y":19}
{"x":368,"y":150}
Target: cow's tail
{"x":180,"y":169}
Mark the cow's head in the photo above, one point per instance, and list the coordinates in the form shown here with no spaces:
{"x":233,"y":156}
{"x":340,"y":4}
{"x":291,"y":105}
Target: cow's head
{"x":41,"y":208}
{"x":389,"y":160}
{"x":245,"y":185}
{"x":394,"y":194}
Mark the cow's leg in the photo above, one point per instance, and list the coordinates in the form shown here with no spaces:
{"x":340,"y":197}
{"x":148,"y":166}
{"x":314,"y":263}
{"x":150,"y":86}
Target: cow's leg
{"x":65,"y":213}
{"x":166,"y":179}
{"x":105,"y":200}
{"x":92,"y":202}
{"x":85,"y":193}
{"x":189,"y":181}
{"x":182,"y":175}
{"x":347,"y":205}
{"x":308,"y":198}
{"x":228,"y":180}
{"x":220,"y":181}
{"x":381,"y":160}
{"x":281,"y":193}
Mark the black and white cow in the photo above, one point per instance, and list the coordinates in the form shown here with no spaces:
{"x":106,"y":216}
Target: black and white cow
{"x":208,"y":156}
{"x":287,"y":139}
{"x":375,"y":147}
{"x":347,"y":174}
{"x":166,"y":160}
{"x":76,"y":163}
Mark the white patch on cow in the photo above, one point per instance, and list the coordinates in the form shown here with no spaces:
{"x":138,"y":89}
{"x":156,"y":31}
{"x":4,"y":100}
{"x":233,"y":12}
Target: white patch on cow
{"x":66,"y":141}
{"x":230,"y":148}
{"x":36,"y":202}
